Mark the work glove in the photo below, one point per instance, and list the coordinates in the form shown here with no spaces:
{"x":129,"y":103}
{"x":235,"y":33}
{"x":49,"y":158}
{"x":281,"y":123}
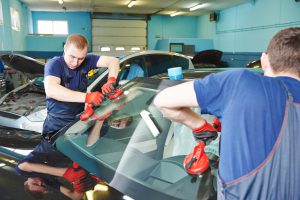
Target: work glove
{"x":109,"y":85}
{"x":87,"y":183}
{"x":84,"y":184}
{"x":94,"y":98}
{"x":217,"y":124}
{"x":205,"y":132}
{"x":74,"y":174}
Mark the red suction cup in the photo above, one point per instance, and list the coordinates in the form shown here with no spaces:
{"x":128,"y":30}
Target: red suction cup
{"x":196,"y":162}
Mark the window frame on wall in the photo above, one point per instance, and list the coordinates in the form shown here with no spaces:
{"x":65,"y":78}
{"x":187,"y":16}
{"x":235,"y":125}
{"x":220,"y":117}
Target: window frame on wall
{"x":1,"y":13}
{"x":52,"y":27}
{"x":15,"y":19}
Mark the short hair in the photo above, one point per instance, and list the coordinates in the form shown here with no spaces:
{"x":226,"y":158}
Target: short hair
{"x":284,"y":51}
{"x":79,"y":41}
{"x":33,"y":193}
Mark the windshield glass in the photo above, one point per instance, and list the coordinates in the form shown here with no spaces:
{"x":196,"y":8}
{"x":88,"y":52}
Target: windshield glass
{"x":134,"y":143}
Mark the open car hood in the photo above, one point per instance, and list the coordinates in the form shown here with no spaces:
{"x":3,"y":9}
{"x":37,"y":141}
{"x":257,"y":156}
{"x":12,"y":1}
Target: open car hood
{"x":31,"y":67}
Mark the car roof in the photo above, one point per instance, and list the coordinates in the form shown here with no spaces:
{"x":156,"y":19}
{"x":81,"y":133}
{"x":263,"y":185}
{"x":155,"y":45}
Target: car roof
{"x":151,"y":52}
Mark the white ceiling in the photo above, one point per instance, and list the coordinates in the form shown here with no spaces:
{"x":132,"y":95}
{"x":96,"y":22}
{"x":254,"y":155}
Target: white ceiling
{"x":160,"y":7}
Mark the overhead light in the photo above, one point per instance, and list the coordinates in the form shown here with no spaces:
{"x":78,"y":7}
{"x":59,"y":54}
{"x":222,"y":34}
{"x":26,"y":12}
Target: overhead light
{"x":131,"y":3}
{"x":196,"y":7}
{"x":120,"y":48}
{"x":135,"y":48}
{"x":175,"y":14}
{"x":105,"y":49}
{"x":60,"y":1}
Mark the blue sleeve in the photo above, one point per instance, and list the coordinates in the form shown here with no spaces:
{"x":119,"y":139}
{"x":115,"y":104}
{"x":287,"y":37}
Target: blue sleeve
{"x":211,"y":92}
{"x":53,"y":68}
{"x":92,"y":61}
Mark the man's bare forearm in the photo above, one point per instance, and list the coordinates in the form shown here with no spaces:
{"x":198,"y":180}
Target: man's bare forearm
{"x":183,"y":115}
{"x":56,"y":91}
{"x":43,"y":169}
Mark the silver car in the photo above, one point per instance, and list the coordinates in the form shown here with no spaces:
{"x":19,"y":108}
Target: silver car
{"x":23,"y":110}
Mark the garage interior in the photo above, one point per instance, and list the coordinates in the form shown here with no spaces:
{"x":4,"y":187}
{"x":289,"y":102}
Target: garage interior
{"x":233,"y":32}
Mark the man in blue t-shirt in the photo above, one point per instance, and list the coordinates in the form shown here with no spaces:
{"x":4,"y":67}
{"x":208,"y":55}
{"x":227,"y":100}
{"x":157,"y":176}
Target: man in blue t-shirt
{"x":66,"y":82}
{"x":260,"y":118}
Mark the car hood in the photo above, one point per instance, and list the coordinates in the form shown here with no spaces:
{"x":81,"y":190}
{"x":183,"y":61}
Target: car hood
{"x":31,"y":67}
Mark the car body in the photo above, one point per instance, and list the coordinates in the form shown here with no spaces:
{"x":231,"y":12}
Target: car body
{"x":23,"y":110}
{"x":140,"y":152}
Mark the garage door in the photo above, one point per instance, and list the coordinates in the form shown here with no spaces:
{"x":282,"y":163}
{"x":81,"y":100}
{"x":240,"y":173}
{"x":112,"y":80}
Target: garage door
{"x":125,"y":34}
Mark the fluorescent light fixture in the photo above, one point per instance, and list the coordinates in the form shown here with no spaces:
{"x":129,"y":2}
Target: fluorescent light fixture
{"x":196,"y":7}
{"x":120,"y":48}
{"x":175,"y":14}
{"x":60,"y":1}
{"x":105,"y":48}
{"x":135,"y":48}
{"x":131,"y":3}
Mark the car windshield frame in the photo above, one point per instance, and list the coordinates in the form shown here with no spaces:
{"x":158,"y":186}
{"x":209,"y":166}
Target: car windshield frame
{"x":135,"y":153}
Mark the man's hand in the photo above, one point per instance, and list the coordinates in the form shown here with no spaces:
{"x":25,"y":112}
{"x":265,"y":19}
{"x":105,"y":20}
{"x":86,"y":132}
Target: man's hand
{"x":94,"y":98}
{"x":85,"y":184}
{"x":205,"y":132}
{"x":109,"y":85}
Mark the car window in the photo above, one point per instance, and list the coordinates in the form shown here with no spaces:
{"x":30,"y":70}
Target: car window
{"x":132,"y":68}
{"x":132,"y":145}
{"x":181,"y":62}
{"x":157,"y":64}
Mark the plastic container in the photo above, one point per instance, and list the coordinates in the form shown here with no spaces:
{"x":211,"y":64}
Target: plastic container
{"x":175,"y":73}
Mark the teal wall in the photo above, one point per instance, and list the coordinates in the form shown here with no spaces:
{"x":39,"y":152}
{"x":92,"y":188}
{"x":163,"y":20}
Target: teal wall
{"x":166,"y":27}
{"x":250,"y":26}
{"x":246,"y":28}
{"x":11,"y":40}
{"x":78,"y":22}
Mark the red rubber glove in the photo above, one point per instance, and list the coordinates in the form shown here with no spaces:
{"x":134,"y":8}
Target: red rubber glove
{"x":94,"y":98}
{"x":217,"y":124}
{"x":109,"y":85}
{"x":74,"y":175}
{"x":85,"y":184}
{"x":205,"y":132}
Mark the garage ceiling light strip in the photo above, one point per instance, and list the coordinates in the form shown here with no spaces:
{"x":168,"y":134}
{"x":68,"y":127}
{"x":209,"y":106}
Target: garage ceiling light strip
{"x":131,"y":3}
{"x":175,"y":14}
{"x":198,"y":6}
